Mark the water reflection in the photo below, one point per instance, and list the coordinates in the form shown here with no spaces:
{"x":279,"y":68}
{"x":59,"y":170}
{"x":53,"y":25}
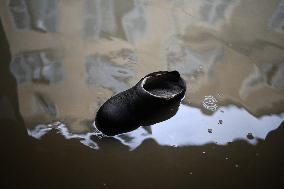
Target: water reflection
{"x":188,"y":127}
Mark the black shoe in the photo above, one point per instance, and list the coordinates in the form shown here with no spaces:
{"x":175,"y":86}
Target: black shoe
{"x":155,"y":98}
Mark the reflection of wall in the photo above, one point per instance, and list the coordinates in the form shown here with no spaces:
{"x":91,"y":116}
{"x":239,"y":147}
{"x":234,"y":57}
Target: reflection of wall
{"x":124,"y":19}
{"x":277,"y":20}
{"x":37,"y":66}
{"x":101,"y":71}
{"x":34,"y":14}
{"x":70,"y":56}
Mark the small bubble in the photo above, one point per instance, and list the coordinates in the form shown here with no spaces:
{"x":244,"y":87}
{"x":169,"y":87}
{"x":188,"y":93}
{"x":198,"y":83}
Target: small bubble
{"x":226,"y":158}
{"x":237,"y":166}
{"x":250,"y":136}
{"x":203,"y":152}
{"x":190,"y":173}
{"x":256,"y":154}
{"x":210,"y":103}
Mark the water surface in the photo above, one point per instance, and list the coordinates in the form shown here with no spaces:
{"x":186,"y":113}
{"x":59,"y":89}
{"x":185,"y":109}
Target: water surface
{"x":61,"y":60}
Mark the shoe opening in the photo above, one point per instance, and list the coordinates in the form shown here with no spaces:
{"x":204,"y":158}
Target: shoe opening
{"x":164,"y":85}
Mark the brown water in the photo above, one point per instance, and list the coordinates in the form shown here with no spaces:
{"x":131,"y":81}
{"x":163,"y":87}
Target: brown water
{"x":61,"y":60}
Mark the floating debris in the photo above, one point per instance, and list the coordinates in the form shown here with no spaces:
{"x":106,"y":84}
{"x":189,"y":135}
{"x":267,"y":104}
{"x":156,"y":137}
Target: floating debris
{"x":210,"y":103}
{"x":209,"y":130}
{"x":220,"y":122}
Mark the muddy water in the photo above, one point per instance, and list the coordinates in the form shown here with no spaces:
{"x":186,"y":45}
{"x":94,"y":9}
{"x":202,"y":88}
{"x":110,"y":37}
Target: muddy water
{"x":61,"y":60}
{"x":189,"y":127}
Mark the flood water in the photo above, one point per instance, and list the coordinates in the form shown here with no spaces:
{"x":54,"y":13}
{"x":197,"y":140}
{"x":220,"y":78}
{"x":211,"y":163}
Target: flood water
{"x":61,"y":60}
{"x":189,"y":127}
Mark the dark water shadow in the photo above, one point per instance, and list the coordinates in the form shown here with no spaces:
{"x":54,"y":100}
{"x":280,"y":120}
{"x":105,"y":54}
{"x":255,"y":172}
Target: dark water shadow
{"x":14,"y":141}
{"x":67,"y":163}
